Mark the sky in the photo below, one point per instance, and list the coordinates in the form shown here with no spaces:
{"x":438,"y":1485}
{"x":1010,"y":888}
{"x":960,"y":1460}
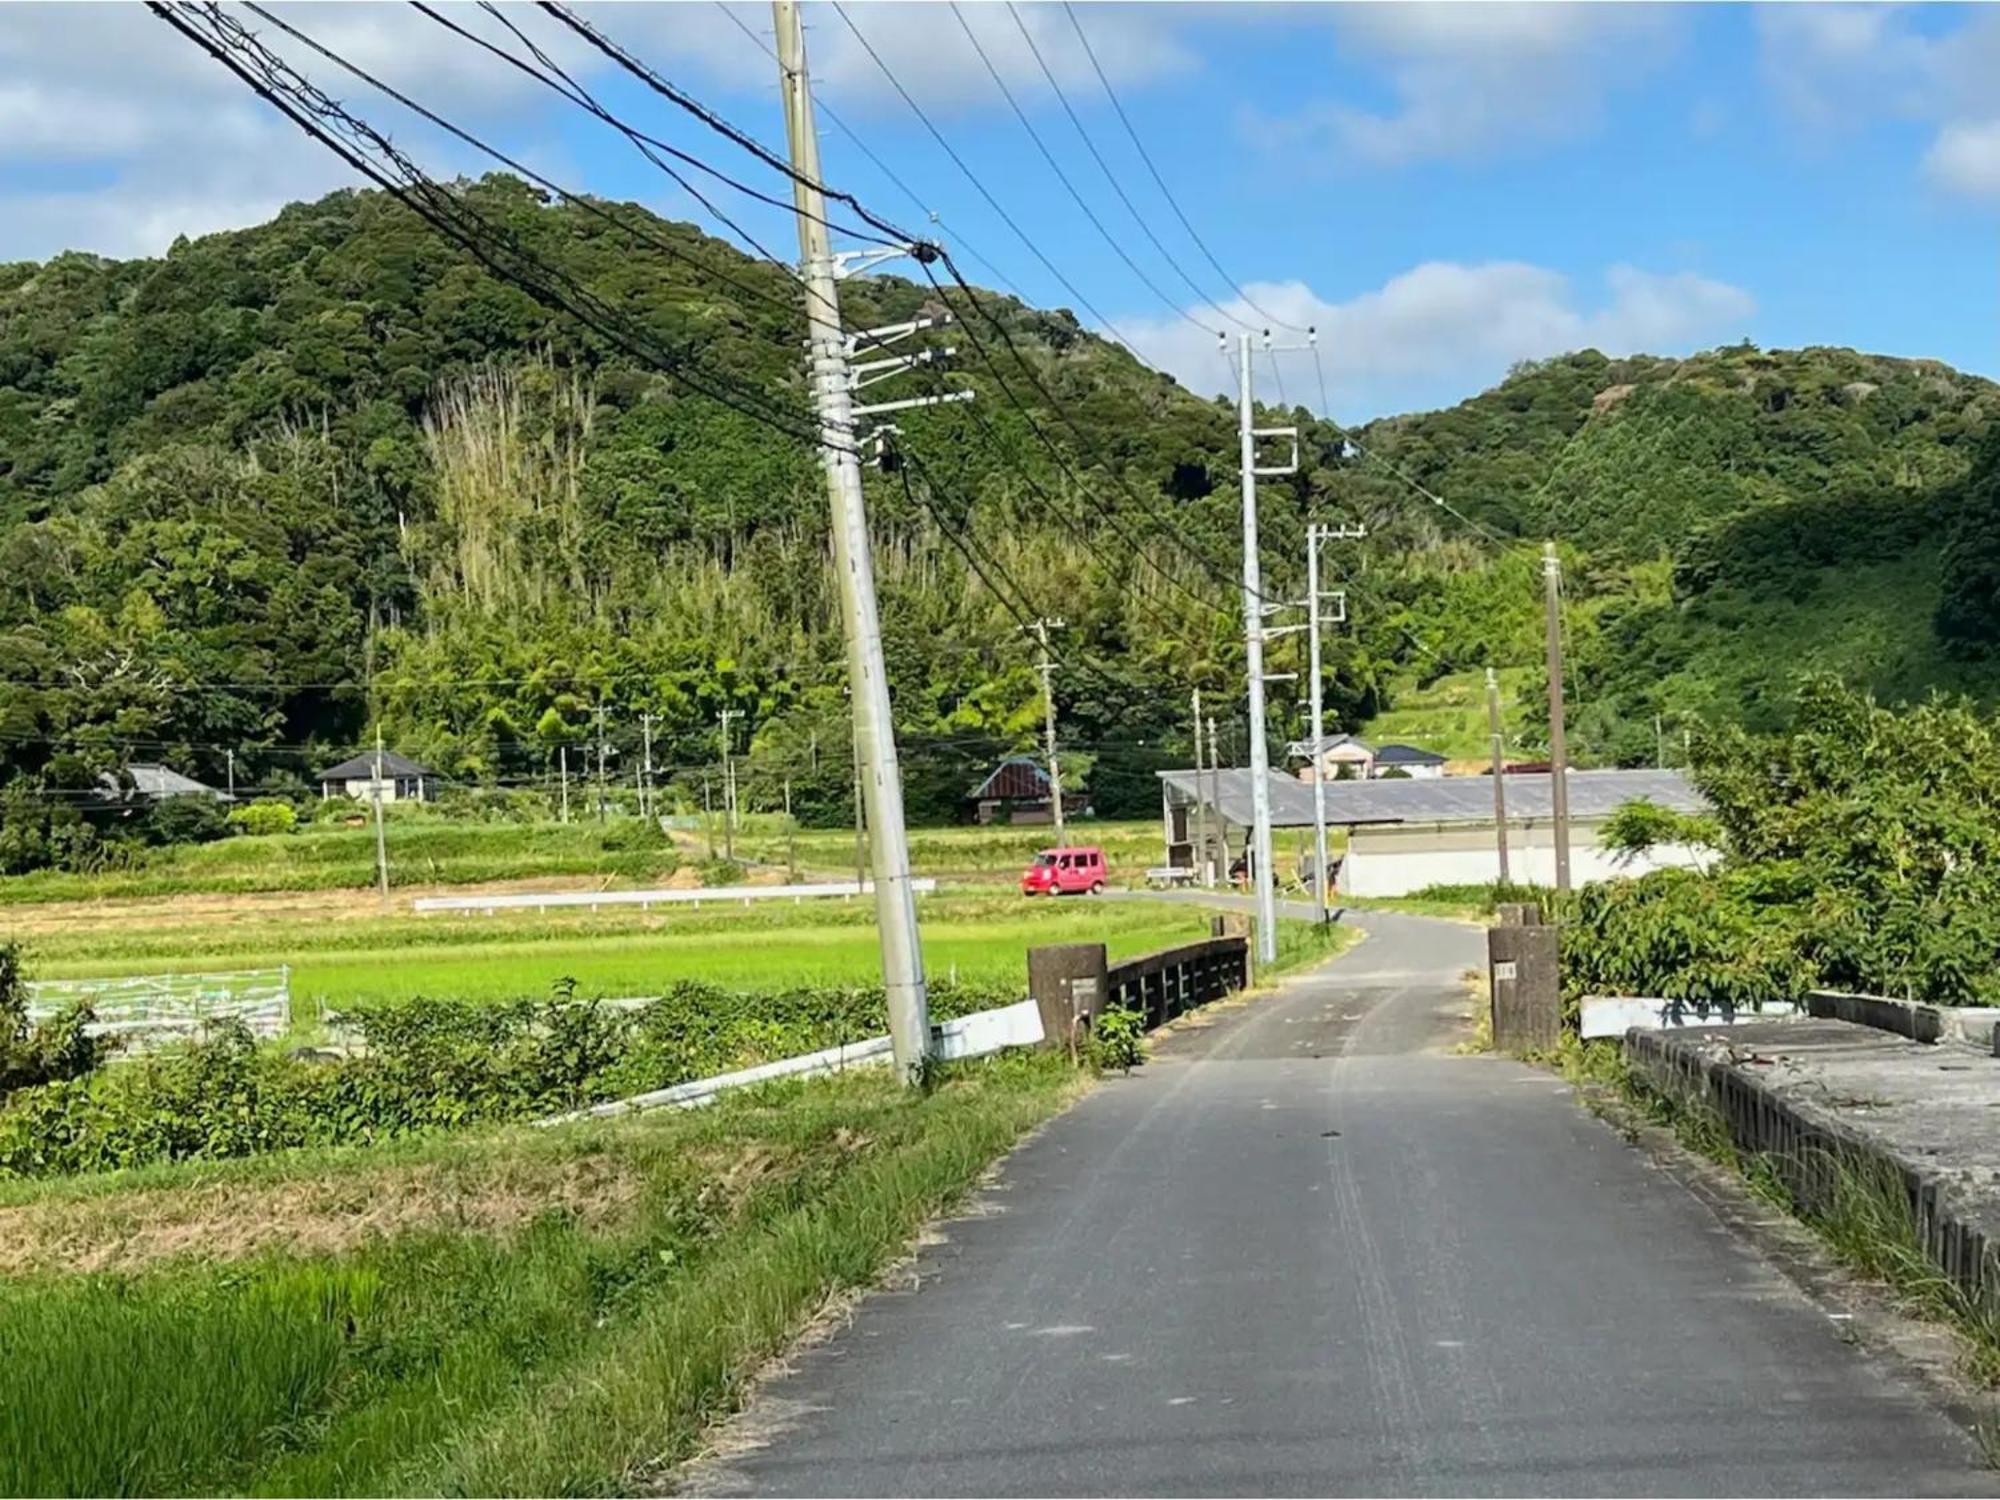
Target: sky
{"x":1440,"y":191}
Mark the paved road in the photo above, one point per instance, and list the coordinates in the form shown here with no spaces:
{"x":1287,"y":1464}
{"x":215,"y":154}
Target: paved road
{"x":1307,"y":1251}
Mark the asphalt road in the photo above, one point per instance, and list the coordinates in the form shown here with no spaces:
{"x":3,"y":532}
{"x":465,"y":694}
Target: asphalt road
{"x":1305,"y":1250}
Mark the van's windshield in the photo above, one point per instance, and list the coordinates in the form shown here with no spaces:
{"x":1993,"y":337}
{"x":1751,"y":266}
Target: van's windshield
{"x":1044,"y":861}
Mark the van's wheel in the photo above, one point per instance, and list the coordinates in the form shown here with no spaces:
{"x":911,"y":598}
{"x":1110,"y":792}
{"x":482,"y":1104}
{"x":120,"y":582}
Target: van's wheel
{"x":1097,"y":888}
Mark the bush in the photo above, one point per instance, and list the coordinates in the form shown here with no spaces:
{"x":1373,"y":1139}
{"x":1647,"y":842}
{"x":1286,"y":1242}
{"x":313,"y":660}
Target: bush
{"x":36,"y":1054}
{"x":428,"y":1065}
{"x":266,"y":815}
{"x":722,"y":872}
{"x":1117,"y":1039}
{"x":187,"y":819}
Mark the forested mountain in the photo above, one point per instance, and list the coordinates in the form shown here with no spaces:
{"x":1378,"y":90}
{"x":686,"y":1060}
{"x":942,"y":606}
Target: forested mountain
{"x":287,"y":483}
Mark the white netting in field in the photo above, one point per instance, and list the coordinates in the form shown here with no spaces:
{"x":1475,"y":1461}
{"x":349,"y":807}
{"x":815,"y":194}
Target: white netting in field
{"x":146,"y":1008}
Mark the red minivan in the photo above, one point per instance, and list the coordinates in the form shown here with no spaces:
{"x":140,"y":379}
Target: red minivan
{"x":1059,"y":872}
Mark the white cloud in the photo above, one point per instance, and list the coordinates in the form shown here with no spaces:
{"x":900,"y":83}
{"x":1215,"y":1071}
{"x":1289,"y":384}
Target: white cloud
{"x":1473,"y":81}
{"x":1965,"y":157}
{"x":1837,"y":68}
{"x":1443,"y":330}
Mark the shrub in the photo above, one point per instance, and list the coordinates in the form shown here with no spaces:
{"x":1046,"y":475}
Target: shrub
{"x":1117,"y":1039}
{"x":35,"y":1054}
{"x":187,"y":819}
{"x":721,"y":872}
{"x":266,"y":815}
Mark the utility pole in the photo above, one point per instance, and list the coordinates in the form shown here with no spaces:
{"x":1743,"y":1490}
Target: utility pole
{"x":231,"y":756}
{"x":600,"y":760}
{"x":1253,"y":644}
{"x":1499,"y":771}
{"x":728,"y":787}
{"x":562,"y":752}
{"x":646,"y":768}
{"x":381,"y":838}
{"x":854,"y":564}
{"x":1315,"y":535}
{"x":1215,"y":800}
{"x":1200,"y":804}
{"x":860,"y":834}
{"x":1558,"y":770}
{"x":1659,"y":744}
{"x":1041,"y":629}
{"x":791,"y":836}
{"x":707,"y":816}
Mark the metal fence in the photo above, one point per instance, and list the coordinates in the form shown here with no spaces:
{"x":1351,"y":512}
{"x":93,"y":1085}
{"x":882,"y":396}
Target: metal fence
{"x":145,"y":1009}
{"x":1164,"y":984}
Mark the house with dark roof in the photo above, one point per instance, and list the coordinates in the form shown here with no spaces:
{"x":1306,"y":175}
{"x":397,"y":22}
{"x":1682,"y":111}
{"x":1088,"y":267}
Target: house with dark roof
{"x":1017,"y":791}
{"x":403,"y":780}
{"x":1406,"y":760}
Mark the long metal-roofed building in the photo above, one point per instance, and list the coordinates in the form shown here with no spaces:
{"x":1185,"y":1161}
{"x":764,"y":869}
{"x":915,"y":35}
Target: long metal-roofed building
{"x":1405,"y":835}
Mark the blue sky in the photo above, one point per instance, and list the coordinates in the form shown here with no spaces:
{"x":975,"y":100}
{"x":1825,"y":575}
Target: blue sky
{"x":1441,"y":189}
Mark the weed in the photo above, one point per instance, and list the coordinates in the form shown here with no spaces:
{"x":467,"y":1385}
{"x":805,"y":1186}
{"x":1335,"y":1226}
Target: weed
{"x":1116,"y":1039}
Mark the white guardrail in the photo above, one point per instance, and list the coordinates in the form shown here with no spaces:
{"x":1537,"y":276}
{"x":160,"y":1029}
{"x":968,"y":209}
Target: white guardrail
{"x":645,"y":900}
{"x":1017,"y":1025}
{"x":142,"y":1009}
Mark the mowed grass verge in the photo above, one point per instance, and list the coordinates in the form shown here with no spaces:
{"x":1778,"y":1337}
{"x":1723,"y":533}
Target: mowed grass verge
{"x":519,"y":1312}
{"x":979,"y":939}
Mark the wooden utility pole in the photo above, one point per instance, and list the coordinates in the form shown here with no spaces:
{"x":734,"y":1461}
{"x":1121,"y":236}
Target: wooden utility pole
{"x":1558,"y":753}
{"x":1499,"y":771}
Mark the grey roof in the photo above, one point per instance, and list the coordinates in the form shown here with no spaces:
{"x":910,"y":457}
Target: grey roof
{"x":1407,"y":755}
{"x":1445,"y":799}
{"x":362,"y":767}
{"x":1327,"y":742}
{"x":156,"y":782}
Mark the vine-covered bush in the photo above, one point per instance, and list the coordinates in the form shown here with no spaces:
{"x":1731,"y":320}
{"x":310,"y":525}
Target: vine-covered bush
{"x":425,"y":1065}
{"x":1859,"y":850}
{"x":33,"y":1053}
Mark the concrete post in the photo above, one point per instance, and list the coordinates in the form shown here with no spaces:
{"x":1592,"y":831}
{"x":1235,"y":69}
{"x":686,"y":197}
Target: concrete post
{"x":1067,"y":983}
{"x":1519,"y":913}
{"x":1524,"y":972}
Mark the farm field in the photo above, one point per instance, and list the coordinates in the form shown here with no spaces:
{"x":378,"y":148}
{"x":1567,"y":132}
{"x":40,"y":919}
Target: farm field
{"x":977,"y":938}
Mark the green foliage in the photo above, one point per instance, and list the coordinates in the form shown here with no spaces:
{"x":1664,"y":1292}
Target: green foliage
{"x":1968,"y":609}
{"x":427,"y":1065}
{"x":34,"y":1053}
{"x":186,"y":820}
{"x":1861,"y":851}
{"x":267,"y":815}
{"x":1640,"y":826}
{"x":1116,"y":1039}
{"x":721,"y":872}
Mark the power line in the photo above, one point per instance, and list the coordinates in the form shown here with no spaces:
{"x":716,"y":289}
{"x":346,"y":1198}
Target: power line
{"x":833,"y":118}
{"x":1062,"y":176}
{"x":1109,"y":327}
{"x":1166,"y":191}
{"x":1112,"y":177}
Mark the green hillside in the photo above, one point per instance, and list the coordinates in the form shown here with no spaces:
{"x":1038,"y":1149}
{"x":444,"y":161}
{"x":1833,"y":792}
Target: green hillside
{"x":287,"y":483}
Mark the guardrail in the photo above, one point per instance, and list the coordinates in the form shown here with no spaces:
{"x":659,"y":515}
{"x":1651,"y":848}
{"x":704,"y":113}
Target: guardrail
{"x":646,"y":900}
{"x":1165,"y":984}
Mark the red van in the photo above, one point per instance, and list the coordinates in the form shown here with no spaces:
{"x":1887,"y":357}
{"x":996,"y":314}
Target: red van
{"x":1059,"y":872}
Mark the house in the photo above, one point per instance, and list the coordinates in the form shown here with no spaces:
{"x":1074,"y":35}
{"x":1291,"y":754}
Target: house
{"x":1418,"y":765}
{"x":1337,"y":757}
{"x":156,"y":783}
{"x":1017,"y":791}
{"x":403,"y":780}
{"x":1404,"y":835}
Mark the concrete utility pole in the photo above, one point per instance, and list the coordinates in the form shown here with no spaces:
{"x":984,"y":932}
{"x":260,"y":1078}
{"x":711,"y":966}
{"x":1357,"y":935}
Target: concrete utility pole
{"x":1558,"y":755}
{"x":854,"y":564}
{"x":728,"y":787}
{"x":791,"y":836}
{"x":860,"y":833}
{"x":230,"y":755}
{"x":1215,"y":801}
{"x":562,"y":755}
{"x":381,"y":838}
{"x":1253,"y":644}
{"x":1315,"y":535}
{"x":600,"y":761}
{"x":1200,"y":805}
{"x":708,"y":816}
{"x":646,"y":767}
{"x":1041,"y":629}
{"x":1499,"y":771}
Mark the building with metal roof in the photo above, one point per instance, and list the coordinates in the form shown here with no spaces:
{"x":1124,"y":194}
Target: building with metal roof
{"x":1404,"y":835}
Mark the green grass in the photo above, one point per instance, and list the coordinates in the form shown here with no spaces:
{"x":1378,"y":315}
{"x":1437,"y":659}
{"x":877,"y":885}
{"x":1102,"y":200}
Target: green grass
{"x":977,"y":939}
{"x":561,"y":1357}
{"x":423,"y":850}
{"x":1448,"y":715}
{"x":998,"y":850}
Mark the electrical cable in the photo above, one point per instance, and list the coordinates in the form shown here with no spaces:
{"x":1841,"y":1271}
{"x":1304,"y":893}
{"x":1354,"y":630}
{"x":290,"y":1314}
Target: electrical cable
{"x":1063,"y":177}
{"x":1161,"y":182}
